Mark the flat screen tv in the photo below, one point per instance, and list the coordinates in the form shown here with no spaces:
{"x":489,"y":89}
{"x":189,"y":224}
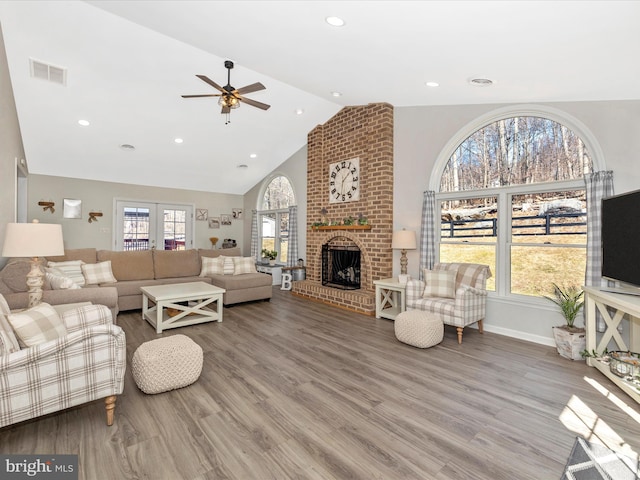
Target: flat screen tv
{"x":621,"y":240}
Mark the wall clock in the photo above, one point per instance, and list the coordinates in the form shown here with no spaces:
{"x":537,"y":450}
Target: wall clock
{"x":344,"y":181}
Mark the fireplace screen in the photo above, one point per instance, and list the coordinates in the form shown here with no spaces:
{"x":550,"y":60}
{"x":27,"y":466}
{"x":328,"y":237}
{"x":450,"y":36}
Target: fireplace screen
{"x":341,"y":267}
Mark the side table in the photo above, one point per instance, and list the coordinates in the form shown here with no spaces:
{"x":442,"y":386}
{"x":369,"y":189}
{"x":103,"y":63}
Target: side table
{"x":390,"y":298}
{"x":274,"y":270}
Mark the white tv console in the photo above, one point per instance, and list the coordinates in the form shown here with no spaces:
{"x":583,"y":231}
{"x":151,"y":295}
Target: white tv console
{"x":623,"y":306}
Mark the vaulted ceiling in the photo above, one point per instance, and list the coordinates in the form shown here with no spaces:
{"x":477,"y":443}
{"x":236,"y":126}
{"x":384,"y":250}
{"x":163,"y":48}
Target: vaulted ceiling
{"x":128,"y":63}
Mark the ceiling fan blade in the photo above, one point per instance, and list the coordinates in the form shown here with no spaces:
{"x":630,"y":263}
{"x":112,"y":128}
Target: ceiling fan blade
{"x":206,"y":95}
{"x":253,"y":103}
{"x":225,"y":110}
{"x":206,"y":79}
{"x":254,"y":87}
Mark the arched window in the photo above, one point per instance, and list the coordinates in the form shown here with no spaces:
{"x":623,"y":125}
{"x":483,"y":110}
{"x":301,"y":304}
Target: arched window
{"x":273,"y":217}
{"x":512,"y":196}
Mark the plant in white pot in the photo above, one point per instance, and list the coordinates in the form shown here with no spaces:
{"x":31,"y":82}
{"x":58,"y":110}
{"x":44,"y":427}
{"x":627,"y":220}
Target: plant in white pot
{"x":570,"y":340}
{"x":270,"y":254}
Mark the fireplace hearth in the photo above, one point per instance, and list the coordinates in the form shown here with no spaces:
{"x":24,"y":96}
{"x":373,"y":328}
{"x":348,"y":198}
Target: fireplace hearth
{"x":341,"y":266}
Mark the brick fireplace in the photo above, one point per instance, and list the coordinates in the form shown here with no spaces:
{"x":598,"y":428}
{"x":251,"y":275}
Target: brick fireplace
{"x":366,"y":133}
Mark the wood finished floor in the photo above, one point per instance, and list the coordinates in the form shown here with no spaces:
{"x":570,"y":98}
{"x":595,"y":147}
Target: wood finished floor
{"x":297,"y":390}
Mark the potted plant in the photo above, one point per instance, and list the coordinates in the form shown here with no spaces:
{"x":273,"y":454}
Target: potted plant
{"x":570,"y":340}
{"x":270,"y":254}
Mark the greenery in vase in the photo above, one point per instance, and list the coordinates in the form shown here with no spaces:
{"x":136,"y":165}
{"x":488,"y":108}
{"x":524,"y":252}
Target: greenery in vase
{"x":569,"y":299}
{"x":270,"y":254}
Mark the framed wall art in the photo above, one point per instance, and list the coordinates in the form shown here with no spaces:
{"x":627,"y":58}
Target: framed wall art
{"x":214,"y":222}
{"x":225,"y":219}
{"x":72,"y":208}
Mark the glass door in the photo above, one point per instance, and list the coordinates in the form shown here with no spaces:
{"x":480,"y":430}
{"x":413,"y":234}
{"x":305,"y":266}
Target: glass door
{"x":147,"y":226}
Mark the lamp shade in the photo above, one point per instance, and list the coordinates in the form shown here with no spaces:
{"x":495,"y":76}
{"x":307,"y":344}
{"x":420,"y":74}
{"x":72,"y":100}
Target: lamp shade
{"x":33,"y":240}
{"x":404,"y":240}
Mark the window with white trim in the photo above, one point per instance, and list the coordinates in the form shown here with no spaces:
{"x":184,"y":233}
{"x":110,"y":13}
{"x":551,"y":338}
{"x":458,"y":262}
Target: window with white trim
{"x":512,"y":196}
{"x":273,"y":217}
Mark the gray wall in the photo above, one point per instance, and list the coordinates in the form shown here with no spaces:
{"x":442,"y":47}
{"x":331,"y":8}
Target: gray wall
{"x":420,"y":136}
{"x":100,"y":195}
{"x":11,"y":149}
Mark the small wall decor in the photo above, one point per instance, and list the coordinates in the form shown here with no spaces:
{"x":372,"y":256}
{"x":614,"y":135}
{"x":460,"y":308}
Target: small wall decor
{"x":47,"y":206}
{"x":202,"y":214}
{"x":93,"y":215}
{"x":225,"y":219}
{"x":72,"y":208}
{"x":236,"y":213}
{"x":214,"y":222}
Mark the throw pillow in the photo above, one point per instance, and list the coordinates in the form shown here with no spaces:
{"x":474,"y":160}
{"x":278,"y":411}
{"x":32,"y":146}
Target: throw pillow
{"x":59,"y":282}
{"x":212,"y":266}
{"x":228,"y":265}
{"x":8,"y":341}
{"x":96,"y":273}
{"x":37,"y":325}
{"x":440,"y":283}
{"x":244,"y":265}
{"x":71,"y":269}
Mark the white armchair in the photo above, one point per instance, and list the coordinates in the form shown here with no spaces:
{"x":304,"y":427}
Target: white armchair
{"x":86,"y":364}
{"x":466,"y":305}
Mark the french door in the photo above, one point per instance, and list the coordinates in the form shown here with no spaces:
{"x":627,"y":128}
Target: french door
{"x":148,"y":226}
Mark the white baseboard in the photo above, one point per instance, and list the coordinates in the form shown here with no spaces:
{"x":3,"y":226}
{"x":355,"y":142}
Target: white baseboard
{"x":529,"y":337}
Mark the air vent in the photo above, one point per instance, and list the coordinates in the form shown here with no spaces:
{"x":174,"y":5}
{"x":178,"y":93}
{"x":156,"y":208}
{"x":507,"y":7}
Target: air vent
{"x":48,"y":72}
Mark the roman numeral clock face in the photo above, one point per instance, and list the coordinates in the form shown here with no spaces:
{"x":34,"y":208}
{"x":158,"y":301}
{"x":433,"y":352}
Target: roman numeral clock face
{"x":344,"y":181}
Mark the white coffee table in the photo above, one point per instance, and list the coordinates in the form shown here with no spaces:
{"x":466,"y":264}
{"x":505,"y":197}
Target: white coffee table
{"x":199,"y":297}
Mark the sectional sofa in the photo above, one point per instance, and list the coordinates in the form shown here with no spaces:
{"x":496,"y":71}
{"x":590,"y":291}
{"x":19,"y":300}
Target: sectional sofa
{"x":132,"y":270}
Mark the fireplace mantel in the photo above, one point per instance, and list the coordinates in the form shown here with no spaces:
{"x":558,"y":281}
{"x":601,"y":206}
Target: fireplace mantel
{"x":341,"y":227}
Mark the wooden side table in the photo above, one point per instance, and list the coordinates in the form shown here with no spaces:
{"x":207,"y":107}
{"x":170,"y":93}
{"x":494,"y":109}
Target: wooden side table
{"x":390,"y":298}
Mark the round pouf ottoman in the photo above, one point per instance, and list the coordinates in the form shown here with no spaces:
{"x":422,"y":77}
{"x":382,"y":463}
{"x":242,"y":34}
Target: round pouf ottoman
{"x":418,"y":328}
{"x":166,"y":364}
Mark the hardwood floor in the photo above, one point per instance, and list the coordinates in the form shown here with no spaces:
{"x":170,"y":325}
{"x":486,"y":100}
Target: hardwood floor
{"x":292,"y":389}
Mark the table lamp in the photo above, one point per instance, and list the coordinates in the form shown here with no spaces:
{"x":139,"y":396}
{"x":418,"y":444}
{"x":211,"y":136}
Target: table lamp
{"x":403,"y":240}
{"x":33,"y":240}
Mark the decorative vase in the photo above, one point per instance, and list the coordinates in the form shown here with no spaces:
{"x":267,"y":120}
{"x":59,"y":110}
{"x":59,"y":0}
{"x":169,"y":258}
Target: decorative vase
{"x":570,"y":343}
{"x":272,"y":262}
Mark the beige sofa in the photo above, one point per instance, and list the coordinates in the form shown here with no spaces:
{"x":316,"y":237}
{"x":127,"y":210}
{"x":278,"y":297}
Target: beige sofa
{"x":132,"y":270}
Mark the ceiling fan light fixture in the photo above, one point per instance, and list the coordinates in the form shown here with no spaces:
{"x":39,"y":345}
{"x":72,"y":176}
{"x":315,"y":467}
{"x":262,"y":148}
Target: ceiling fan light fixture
{"x":228,"y":101}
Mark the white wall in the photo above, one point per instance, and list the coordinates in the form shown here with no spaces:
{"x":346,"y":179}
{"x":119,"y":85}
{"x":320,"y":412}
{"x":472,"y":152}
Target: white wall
{"x":422,"y":132}
{"x":295,"y":169}
{"x":96,"y":195}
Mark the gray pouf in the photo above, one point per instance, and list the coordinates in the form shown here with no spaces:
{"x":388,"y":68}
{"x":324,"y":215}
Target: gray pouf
{"x":418,"y":328}
{"x":166,"y":364}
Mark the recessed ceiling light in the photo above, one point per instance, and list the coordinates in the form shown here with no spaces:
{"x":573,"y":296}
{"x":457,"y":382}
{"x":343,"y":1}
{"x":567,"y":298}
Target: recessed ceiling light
{"x":336,"y":94}
{"x":178,"y":140}
{"x":126,"y":146}
{"x":84,"y":123}
{"x":242,"y":165}
{"x":432,"y":84}
{"x":253,"y":155}
{"x":334,"y":21}
{"x":481,"y":82}
{"x":299,"y":111}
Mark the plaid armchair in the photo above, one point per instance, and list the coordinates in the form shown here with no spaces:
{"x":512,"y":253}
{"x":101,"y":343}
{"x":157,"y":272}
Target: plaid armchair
{"x":86,"y":364}
{"x":468,"y":302}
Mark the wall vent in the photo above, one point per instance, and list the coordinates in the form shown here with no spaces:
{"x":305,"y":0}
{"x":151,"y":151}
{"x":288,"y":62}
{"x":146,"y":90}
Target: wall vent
{"x":48,"y":72}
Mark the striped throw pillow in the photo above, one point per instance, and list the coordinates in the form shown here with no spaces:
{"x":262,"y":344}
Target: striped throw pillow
{"x":244,"y":265}
{"x":440,"y":283}
{"x":71,"y":269}
{"x":37,"y":325}
{"x":228,"y":265}
{"x":212,"y":266}
{"x":8,"y":341}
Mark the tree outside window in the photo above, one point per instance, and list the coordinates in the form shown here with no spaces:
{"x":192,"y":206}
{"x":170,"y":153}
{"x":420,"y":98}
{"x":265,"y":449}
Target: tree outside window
{"x":512,"y":196}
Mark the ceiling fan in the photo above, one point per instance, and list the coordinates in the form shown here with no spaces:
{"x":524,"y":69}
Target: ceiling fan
{"x":231,"y":97}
